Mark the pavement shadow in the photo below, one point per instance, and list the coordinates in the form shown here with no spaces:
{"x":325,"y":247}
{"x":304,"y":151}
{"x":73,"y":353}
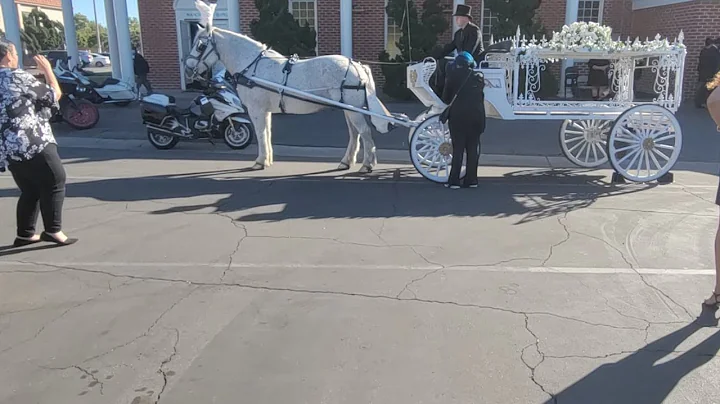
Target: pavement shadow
{"x":645,"y":376}
{"x":11,"y":250}
{"x":527,"y":195}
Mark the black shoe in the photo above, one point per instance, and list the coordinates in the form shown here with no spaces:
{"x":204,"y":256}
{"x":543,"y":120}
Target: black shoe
{"x":22,"y":242}
{"x":471,"y":185}
{"x":50,"y":239}
{"x":452,"y":186}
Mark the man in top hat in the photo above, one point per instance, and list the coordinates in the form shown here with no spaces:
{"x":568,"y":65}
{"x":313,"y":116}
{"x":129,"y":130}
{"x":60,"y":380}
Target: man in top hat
{"x":468,"y":37}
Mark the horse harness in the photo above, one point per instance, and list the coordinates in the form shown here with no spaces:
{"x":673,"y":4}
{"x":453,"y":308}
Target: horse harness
{"x":246,"y":81}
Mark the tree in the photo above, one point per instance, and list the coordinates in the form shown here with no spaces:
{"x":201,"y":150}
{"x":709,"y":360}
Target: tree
{"x":42,"y":33}
{"x":87,"y":33}
{"x":422,"y":41}
{"x":135,"y":32}
{"x":277,"y":28}
{"x":512,"y":14}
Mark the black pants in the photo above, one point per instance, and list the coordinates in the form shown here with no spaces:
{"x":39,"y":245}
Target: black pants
{"x":701,"y":94}
{"x":42,"y":189}
{"x":142,"y":80}
{"x":465,"y":139}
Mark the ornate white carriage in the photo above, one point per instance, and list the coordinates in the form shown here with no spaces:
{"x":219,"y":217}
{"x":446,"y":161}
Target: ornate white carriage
{"x":641,"y":139}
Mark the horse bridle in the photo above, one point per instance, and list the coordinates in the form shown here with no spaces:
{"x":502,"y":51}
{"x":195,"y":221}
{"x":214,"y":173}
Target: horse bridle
{"x":205,"y":47}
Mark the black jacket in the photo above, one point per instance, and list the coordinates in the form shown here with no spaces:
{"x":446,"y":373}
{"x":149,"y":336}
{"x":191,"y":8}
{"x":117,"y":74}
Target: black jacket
{"x":140,"y":65}
{"x":469,"y":106}
{"x":467,"y":39}
{"x":709,"y":63}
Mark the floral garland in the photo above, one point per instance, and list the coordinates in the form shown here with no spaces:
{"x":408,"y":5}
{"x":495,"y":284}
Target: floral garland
{"x":593,"y":37}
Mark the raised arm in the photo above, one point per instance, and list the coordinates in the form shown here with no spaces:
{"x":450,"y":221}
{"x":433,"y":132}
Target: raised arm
{"x":50,"y":93}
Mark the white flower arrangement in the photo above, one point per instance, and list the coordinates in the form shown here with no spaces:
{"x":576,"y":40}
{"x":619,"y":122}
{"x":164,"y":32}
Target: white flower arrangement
{"x":593,"y":37}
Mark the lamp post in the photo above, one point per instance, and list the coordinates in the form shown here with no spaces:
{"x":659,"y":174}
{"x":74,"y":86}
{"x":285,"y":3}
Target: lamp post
{"x":97,"y":27}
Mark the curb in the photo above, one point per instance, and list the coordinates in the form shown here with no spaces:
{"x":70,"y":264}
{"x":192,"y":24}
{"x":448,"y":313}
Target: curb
{"x":336,"y":153}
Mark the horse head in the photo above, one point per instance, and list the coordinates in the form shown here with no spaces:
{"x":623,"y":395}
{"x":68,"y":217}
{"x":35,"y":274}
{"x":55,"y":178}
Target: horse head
{"x":203,"y":53}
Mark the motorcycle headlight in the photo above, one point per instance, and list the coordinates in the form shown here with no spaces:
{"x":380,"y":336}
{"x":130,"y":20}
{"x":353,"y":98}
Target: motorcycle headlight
{"x":81,"y":89}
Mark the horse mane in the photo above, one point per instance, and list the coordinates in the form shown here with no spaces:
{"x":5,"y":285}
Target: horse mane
{"x":269,"y":53}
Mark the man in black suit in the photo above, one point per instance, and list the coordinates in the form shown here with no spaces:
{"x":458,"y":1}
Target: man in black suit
{"x":466,"y":39}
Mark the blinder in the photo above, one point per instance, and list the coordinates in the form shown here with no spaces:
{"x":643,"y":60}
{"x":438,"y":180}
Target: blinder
{"x":204,"y":48}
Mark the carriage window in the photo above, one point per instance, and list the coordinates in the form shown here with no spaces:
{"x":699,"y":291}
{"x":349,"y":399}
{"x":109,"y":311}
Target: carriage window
{"x":304,"y":12}
{"x":487,"y":23}
{"x":394,"y":32}
{"x":589,"y":11}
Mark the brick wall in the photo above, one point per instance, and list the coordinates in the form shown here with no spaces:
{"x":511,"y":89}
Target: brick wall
{"x":698,"y":19}
{"x":157,"y":22}
{"x":248,"y":12}
{"x":328,"y":21}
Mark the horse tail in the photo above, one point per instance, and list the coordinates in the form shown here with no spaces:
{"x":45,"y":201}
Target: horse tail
{"x":374,"y":104}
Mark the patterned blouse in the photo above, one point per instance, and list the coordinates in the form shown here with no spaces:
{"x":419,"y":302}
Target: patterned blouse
{"x":25,"y":111}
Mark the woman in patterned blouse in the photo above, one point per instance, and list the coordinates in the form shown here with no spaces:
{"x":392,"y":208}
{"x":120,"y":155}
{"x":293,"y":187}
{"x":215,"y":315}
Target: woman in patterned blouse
{"x":28,"y":148}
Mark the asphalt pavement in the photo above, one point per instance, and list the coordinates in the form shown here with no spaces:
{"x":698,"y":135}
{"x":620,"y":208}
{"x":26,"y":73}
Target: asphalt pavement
{"x":197,"y":281}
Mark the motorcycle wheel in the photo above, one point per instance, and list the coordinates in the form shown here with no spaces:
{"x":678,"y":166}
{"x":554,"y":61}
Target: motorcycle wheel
{"x":81,"y":116}
{"x":162,"y":141}
{"x":238,"y":136}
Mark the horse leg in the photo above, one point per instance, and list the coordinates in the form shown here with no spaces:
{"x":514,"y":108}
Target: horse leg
{"x":353,"y":145}
{"x":365,"y":132}
{"x":259,"y":122}
{"x":268,"y":136}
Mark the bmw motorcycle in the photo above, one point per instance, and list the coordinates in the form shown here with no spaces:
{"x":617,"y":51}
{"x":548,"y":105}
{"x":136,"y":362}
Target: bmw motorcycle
{"x":111,"y":91}
{"x":218,"y":112}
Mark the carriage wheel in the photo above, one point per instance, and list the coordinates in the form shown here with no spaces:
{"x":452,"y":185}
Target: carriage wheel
{"x":431,"y":150}
{"x":645,"y":143}
{"x":584,"y":142}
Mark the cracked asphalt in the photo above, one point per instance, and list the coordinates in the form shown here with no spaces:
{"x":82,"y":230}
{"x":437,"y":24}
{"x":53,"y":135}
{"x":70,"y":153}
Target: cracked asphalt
{"x":197,"y":281}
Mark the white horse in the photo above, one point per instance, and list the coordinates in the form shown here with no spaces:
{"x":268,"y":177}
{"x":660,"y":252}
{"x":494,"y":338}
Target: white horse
{"x":333,"y":77}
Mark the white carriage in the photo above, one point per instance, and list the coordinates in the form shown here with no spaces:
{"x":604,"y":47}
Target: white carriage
{"x":641,"y":139}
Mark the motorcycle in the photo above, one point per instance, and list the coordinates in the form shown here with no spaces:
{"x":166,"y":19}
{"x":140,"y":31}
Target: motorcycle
{"x":218,"y":112}
{"x":111,"y":91}
{"x":79,"y":113}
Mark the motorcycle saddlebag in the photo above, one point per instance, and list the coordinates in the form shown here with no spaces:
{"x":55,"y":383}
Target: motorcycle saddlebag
{"x":156,"y":107}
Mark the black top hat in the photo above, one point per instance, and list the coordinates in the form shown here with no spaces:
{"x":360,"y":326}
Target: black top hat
{"x":463,"y":11}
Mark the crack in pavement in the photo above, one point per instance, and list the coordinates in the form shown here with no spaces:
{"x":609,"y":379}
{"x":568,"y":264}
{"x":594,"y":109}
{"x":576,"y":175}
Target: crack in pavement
{"x":91,"y":375}
{"x":687,"y":191}
{"x":165,"y":362}
{"x":641,"y":276}
{"x":147,"y":331}
{"x":531,"y":368}
{"x":63,"y":314}
{"x":561,"y":242}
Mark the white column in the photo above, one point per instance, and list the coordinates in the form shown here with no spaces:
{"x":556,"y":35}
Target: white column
{"x":12,"y":26}
{"x":233,"y":8}
{"x":122,"y":23}
{"x":70,"y":34}
{"x":346,"y":31}
{"x":571,"y":11}
{"x":455,"y":4}
{"x":112,"y":39}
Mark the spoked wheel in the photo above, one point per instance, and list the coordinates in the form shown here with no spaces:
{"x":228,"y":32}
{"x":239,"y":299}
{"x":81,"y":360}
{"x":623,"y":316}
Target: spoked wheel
{"x":238,"y":135}
{"x":81,"y":115}
{"x":162,"y":141}
{"x":431,"y":150}
{"x":645,"y":143}
{"x":584,"y":142}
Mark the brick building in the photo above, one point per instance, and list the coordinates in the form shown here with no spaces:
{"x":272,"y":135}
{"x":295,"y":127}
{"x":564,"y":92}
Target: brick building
{"x":168,"y":26}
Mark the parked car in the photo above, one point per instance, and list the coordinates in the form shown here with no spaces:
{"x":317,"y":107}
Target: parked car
{"x":100,"y":60}
{"x":86,"y":58}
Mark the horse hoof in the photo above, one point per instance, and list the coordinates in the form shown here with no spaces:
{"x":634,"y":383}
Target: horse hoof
{"x":343,"y":167}
{"x":365,"y":170}
{"x":258,"y":166}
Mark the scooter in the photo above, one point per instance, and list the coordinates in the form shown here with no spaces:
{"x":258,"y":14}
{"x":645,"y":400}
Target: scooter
{"x":218,"y":112}
{"x":111,"y":91}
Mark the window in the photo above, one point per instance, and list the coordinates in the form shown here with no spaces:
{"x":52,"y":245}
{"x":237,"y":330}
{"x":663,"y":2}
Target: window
{"x":392,"y":36}
{"x":589,"y":11}
{"x":488,"y":19}
{"x":304,"y":12}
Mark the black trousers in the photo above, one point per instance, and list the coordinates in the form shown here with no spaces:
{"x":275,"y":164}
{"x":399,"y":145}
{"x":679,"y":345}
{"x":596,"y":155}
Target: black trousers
{"x":42,"y":190}
{"x":701,"y":94}
{"x":465,"y":137}
{"x":142,"y":80}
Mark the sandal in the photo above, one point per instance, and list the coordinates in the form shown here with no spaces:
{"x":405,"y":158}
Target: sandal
{"x":713,"y":301}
